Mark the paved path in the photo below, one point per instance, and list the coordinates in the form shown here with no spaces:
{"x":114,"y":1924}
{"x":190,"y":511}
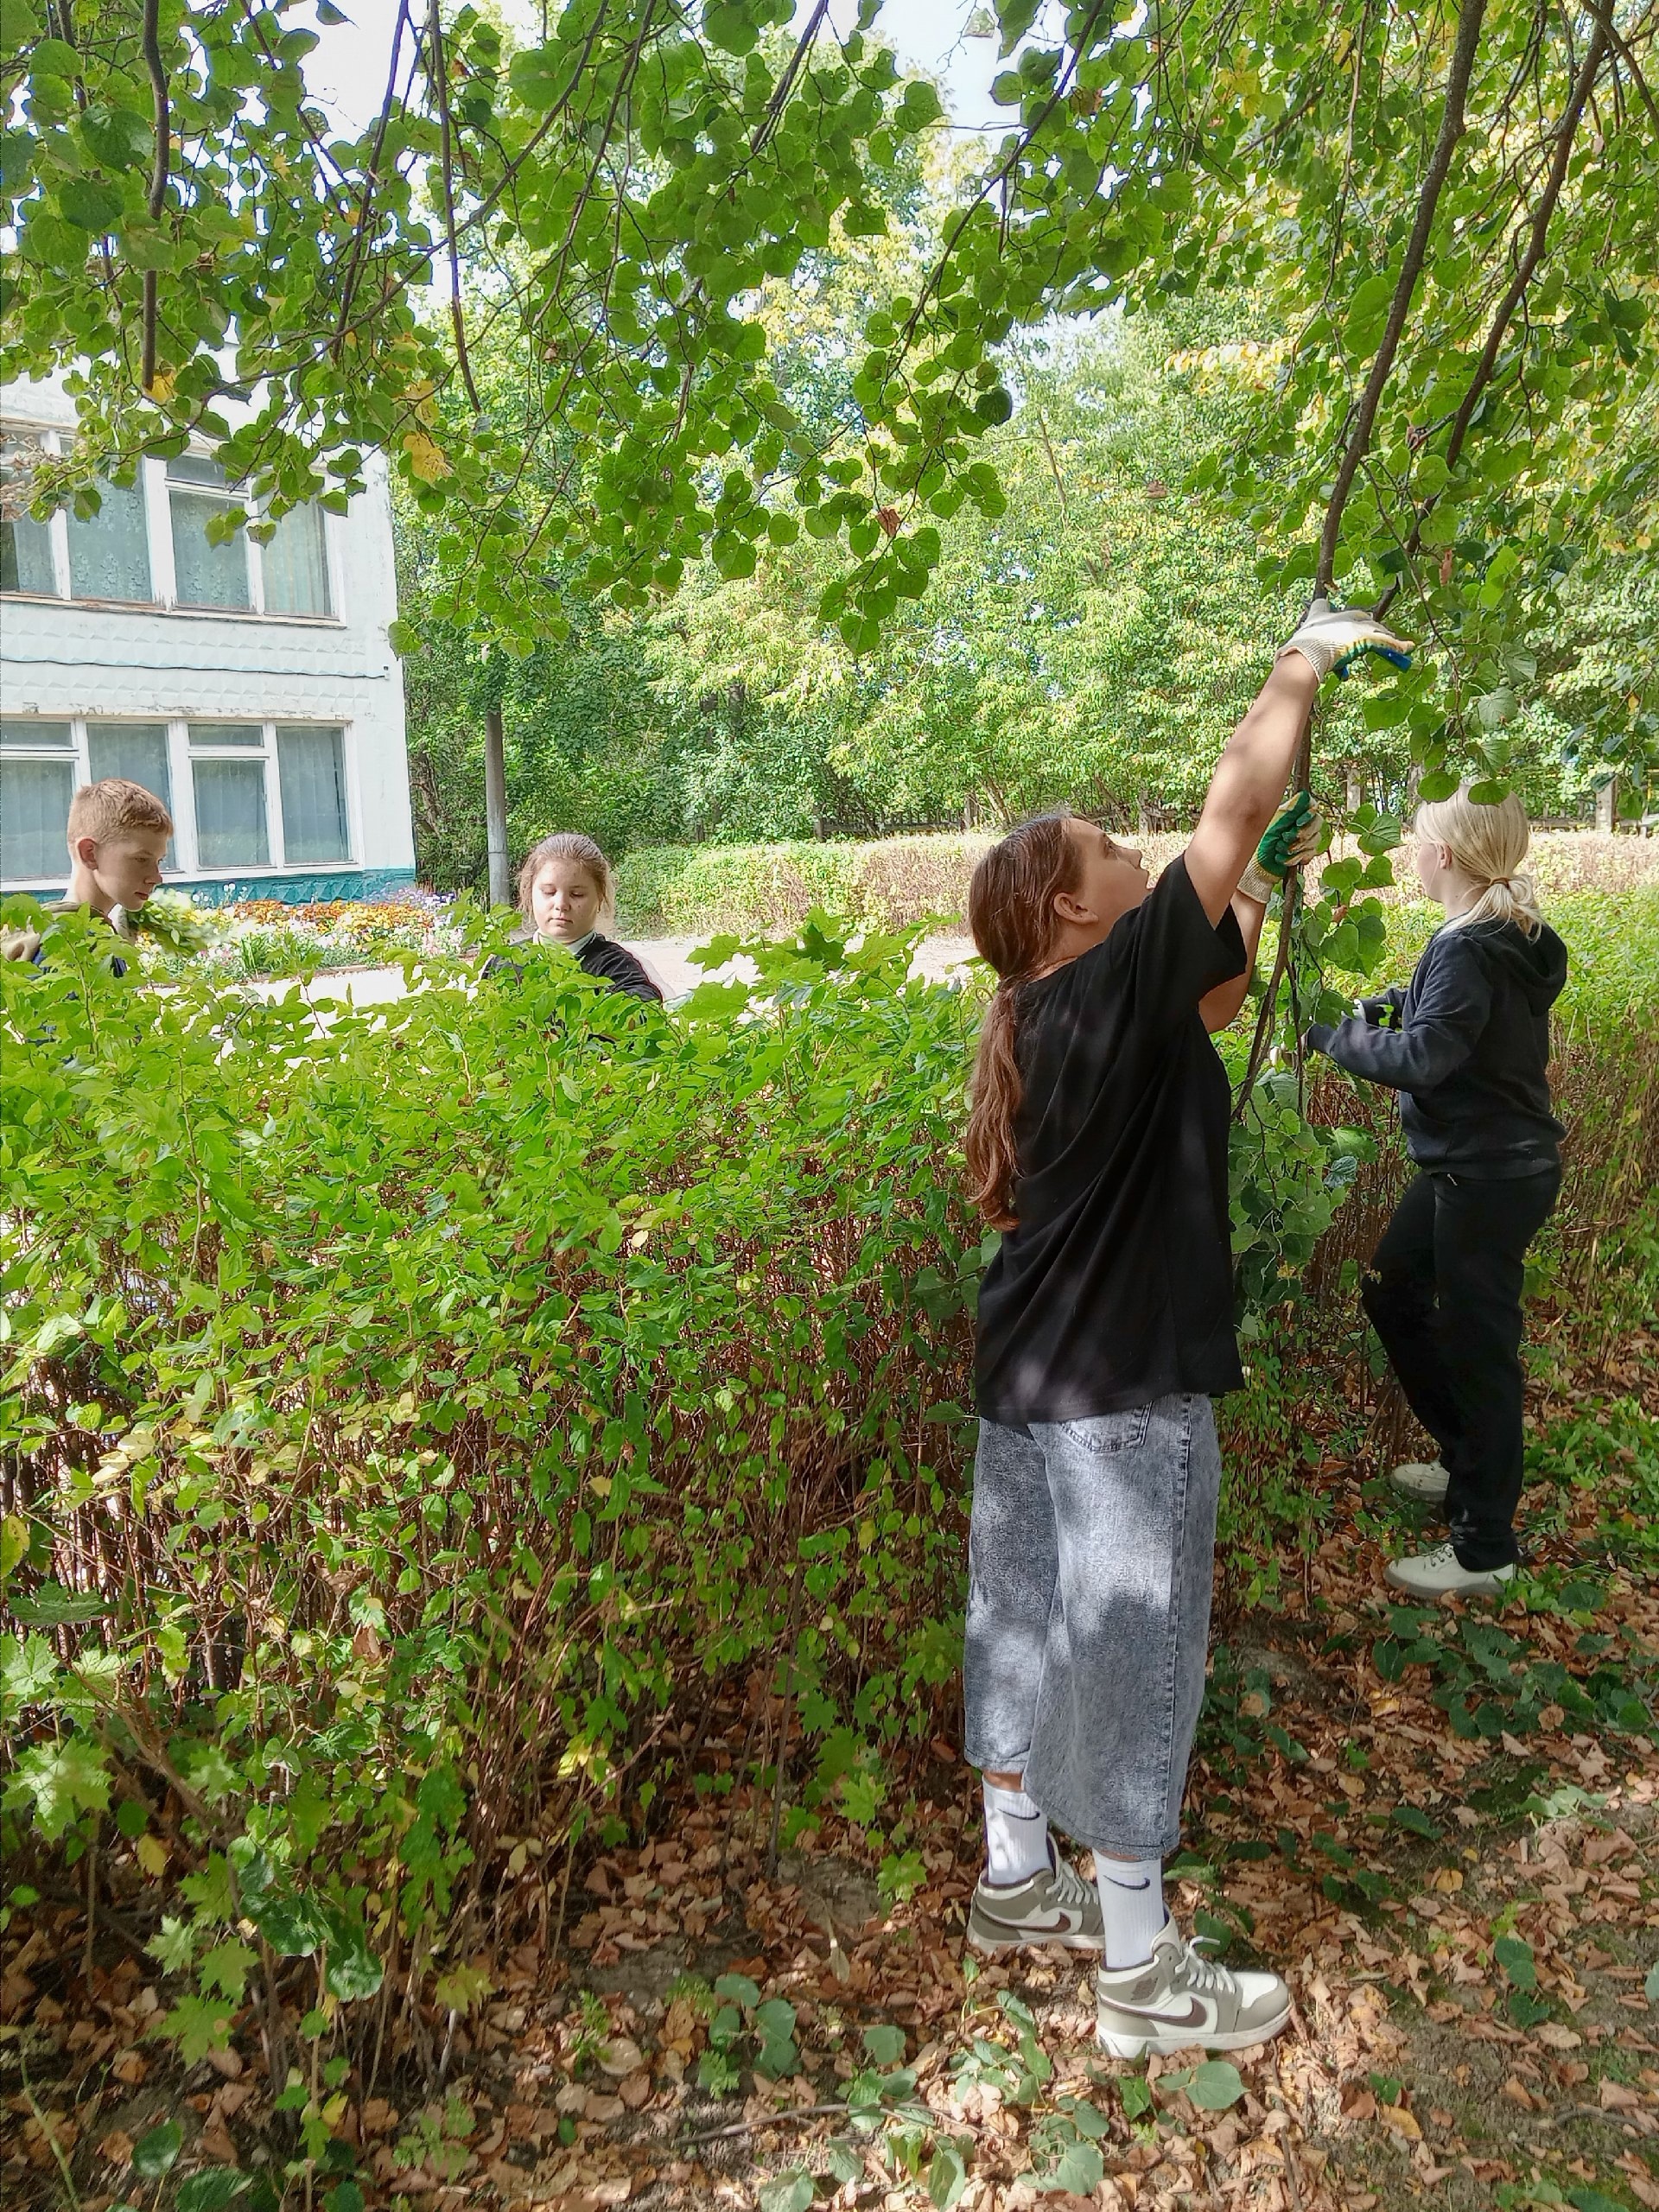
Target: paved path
{"x":667,"y":960}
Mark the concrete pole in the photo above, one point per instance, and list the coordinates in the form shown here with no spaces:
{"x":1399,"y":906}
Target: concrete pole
{"x":495,"y":807}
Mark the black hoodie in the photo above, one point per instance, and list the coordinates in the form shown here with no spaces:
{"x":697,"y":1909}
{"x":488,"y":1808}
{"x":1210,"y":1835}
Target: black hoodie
{"x":1468,"y":1047}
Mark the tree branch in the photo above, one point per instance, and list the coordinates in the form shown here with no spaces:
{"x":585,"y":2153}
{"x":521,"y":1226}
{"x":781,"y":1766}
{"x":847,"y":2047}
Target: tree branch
{"x":439,"y":68}
{"x":159,"y":173}
{"x":1359,"y":435}
{"x":1565,"y":130}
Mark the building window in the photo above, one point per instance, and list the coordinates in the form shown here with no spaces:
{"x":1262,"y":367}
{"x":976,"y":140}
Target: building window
{"x":205,"y":573}
{"x":37,"y":781}
{"x":230,"y":799}
{"x":109,"y":552}
{"x":244,"y":795}
{"x":25,"y":544}
{"x":294,"y":565}
{"x":312,"y":774}
{"x":106,"y":557}
{"x":138,"y":752}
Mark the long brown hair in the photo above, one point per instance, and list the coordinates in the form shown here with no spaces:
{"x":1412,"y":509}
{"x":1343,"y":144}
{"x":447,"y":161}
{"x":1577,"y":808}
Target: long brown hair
{"x":1011,"y":913}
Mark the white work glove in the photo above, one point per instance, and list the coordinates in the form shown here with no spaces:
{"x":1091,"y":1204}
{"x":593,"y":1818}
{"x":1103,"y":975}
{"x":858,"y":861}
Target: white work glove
{"x":1332,"y":639}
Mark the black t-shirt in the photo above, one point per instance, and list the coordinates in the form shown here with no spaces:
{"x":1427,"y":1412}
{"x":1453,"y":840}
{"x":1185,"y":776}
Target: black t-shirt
{"x":615,"y":965}
{"x":1116,"y":1287}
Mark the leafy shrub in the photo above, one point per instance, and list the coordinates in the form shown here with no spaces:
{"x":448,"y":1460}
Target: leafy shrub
{"x":406,"y":1413}
{"x":692,"y":890}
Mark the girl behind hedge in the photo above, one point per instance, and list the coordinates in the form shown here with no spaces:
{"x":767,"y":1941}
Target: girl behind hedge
{"x":565,"y":890}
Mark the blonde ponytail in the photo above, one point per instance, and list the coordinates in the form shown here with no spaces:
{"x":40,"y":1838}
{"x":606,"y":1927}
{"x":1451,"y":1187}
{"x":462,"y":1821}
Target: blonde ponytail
{"x":1487,"y":843}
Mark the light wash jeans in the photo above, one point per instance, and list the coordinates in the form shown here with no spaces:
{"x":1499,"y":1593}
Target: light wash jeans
{"x":1090,"y":1561}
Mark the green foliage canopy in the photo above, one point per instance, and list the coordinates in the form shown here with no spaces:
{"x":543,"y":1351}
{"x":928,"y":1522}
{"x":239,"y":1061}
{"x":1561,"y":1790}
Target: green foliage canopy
{"x":1455,"y":208}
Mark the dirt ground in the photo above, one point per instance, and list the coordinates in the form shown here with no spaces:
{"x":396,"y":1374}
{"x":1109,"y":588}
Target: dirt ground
{"x":1464,"y":1894}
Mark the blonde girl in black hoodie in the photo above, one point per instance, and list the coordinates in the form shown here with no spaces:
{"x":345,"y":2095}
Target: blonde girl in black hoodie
{"x":1466,"y":1044}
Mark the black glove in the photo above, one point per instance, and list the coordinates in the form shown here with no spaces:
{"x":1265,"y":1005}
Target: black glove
{"x":1317,"y":1037}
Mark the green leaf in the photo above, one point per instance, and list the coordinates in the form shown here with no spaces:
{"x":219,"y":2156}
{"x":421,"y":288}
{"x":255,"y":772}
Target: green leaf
{"x":53,"y":1606}
{"x":293,"y":1926}
{"x":947,"y":2176}
{"x":14,"y":1543}
{"x":28,"y":1670}
{"x":1216,"y":2085}
{"x":789,"y":2192}
{"x":738,"y":1989}
{"x":154,"y":2154}
{"x":1414,"y":1818}
{"x":1650,"y":1986}
{"x":65,"y":1780}
{"x":210,"y":2189}
{"x":885,"y":2042}
{"x":197,"y":2025}
{"x":1080,"y":2171}
{"x":89,"y":203}
{"x":1514,"y":1955}
{"x":226,"y":1968}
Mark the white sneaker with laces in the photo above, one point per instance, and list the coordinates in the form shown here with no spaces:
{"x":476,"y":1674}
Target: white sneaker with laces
{"x":1179,"y":2000}
{"x":1054,"y":1905}
{"x":1441,"y":1573}
{"x":1423,"y":1481}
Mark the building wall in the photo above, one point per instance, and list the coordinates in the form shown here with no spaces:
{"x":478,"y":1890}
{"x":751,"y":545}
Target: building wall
{"x":98,"y":662}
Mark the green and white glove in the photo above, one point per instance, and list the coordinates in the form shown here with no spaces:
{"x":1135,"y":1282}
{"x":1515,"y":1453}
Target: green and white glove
{"x":1331,"y":640}
{"x":1292,"y":837}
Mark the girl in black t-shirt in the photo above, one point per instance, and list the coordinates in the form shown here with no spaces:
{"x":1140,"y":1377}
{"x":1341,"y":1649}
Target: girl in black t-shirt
{"x":565,"y":890}
{"x":1098,"y":1146}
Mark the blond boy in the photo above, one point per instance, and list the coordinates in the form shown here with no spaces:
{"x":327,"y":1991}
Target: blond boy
{"x":117,"y":833}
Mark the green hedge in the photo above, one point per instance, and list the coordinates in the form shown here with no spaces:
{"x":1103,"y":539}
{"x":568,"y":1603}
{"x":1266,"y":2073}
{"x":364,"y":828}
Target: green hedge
{"x":694,"y":890}
{"x":410,"y":1412}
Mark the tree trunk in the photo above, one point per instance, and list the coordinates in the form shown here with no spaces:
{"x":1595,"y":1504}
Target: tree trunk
{"x":1607,"y":805}
{"x":1354,"y":794}
{"x":495,"y":807}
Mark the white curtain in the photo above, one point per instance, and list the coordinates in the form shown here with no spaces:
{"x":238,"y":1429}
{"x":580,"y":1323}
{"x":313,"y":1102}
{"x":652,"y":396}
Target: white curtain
{"x":206,"y":574}
{"x":313,"y":779}
{"x":35,"y":799}
{"x":109,"y":553}
{"x":296,"y":568}
{"x":230,"y":813}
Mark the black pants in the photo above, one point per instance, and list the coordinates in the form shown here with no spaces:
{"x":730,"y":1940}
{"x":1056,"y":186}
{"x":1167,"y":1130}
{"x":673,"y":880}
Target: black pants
{"x":1444,"y":1293}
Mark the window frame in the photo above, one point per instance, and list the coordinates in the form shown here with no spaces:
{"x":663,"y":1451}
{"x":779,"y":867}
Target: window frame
{"x":181,"y":755}
{"x":157,"y":487}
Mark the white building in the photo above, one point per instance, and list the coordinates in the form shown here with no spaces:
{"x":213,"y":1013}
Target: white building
{"x":250,"y":687}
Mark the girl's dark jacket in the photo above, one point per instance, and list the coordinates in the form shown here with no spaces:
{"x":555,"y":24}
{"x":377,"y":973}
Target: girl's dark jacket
{"x":1466,"y":1044}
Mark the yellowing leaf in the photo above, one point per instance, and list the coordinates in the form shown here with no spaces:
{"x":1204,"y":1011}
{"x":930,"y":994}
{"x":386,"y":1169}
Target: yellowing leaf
{"x":152,"y":1855}
{"x":426,"y":457}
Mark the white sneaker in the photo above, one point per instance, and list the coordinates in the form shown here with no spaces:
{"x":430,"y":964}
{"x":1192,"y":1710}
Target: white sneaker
{"x":1439,"y":1573}
{"x":1179,"y":2000}
{"x":1423,"y":1481}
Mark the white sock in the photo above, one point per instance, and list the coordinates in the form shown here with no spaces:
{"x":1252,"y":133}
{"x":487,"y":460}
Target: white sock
{"x":1131,"y":1906}
{"x":1016,"y":1836}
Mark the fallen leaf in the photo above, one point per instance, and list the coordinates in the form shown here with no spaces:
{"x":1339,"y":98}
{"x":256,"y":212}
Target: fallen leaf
{"x":1617,"y":2097}
{"x":598,"y":2107}
{"x":1556,"y":2037}
{"x":117,"y":2147}
{"x":1402,"y":2121}
{"x":619,"y":2057}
